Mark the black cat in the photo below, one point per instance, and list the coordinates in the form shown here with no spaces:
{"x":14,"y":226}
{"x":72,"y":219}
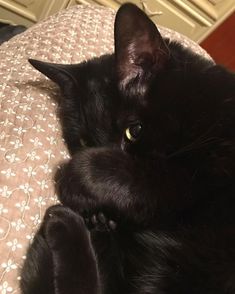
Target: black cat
{"x":151,"y":132}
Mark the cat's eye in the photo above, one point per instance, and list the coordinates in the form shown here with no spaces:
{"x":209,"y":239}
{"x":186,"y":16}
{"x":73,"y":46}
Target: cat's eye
{"x":133,"y":132}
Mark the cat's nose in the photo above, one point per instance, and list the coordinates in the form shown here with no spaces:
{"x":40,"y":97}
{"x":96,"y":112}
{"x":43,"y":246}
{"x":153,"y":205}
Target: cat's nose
{"x":122,"y":145}
{"x":125,"y":146}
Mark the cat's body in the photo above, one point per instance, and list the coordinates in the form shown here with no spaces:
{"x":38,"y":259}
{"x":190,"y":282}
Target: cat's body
{"x":155,"y":181}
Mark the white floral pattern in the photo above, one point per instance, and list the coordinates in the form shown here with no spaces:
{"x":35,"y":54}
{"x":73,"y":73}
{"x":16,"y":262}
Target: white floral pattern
{"x":30,"y":139}
{"x":5,"y":288}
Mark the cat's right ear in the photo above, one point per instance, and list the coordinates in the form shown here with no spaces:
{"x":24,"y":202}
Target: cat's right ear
{"x":140,"y":51}
{"x":61,"y":74}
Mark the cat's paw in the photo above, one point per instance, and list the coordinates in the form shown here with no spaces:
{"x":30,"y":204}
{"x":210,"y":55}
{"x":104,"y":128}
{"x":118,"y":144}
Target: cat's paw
{"x":99,"y":222}
{"x":64,"y":228}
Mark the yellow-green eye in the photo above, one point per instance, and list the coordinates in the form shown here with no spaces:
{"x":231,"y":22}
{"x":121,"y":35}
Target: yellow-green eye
{"x":133,"y":132}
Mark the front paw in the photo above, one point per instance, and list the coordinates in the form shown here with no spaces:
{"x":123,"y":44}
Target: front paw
{"x":99,"y":222}
{"x":70,"y":190}
{"x":63,"y":228}
{"x":96,"y":176}
{"x":100,"y":179}
{"x":74,"y":261}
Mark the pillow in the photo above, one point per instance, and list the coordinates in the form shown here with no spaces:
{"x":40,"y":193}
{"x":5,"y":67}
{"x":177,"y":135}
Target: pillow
{"x":31,"y":146}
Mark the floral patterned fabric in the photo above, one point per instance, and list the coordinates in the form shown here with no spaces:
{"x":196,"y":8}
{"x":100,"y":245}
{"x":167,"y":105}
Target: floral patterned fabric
{"x":31,"y":146}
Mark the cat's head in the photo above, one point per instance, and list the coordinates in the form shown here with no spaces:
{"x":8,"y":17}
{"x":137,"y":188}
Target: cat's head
{"x":151,"y":98}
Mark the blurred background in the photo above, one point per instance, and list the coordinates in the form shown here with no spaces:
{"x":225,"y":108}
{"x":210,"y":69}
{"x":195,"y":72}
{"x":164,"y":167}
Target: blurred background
{"x":211,"y":23}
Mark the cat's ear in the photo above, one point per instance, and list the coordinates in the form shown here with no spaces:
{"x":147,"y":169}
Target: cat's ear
{"x":62,"y":74}
{"x":140,"y":51}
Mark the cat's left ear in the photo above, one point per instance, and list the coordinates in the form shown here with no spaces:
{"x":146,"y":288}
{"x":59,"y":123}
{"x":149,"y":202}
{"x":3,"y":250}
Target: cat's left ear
{"x":62,"y":74}
{"x":140,"y":51}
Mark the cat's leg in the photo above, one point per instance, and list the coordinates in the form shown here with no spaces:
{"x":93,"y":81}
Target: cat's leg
{"x":60,"y":259}
{"x":103,"y":180}
{"x":37,"y":271}
{"x":74,"y":262}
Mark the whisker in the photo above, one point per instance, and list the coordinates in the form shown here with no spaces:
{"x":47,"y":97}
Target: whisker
{"x":202,"y":141}
{"x":195,"y":146}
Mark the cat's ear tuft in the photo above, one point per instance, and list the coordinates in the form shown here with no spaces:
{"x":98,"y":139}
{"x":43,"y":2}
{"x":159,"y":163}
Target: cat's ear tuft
{"x":62,"y":74}
{"x":140,"y":51}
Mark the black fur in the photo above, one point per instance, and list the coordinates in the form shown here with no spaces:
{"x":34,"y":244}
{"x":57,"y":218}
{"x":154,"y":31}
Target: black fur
{"x":151,"y":131}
